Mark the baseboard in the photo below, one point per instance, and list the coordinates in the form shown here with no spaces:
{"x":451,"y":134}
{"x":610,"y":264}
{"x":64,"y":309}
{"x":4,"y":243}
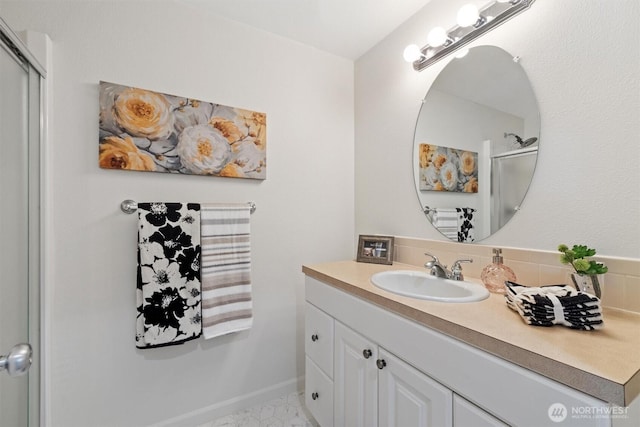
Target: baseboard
{"x":220,"y":409}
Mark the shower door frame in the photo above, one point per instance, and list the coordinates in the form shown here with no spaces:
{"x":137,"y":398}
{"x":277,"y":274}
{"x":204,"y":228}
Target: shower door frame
{"x":36,"y":137}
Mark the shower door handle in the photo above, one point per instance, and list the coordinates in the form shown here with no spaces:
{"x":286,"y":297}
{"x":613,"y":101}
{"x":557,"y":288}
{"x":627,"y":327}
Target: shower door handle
{"x":18,"y":361}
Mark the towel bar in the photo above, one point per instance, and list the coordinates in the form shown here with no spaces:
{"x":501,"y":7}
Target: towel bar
{"x":429,"y":210}
{"x":130,"y":206}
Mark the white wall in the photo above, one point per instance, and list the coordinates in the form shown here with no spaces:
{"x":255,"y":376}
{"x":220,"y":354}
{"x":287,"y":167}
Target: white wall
{"x":582,"y":58}
{"x":304,"y":214}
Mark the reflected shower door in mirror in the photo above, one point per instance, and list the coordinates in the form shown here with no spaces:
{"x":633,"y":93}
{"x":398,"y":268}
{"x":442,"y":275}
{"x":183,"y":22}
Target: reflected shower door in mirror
{"x":476,"y":144}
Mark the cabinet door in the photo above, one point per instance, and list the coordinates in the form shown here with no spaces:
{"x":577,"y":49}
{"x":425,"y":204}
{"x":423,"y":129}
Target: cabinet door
{"x":409,"y":398}
{"x":466,"y":414}
{"x":355,"y":379}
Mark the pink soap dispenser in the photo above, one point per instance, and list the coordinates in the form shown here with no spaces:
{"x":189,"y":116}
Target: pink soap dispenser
{"x":495,"y":274}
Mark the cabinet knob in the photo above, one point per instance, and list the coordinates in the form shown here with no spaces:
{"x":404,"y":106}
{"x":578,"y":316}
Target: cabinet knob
{"x":381,"y":363}
{"x":315,"y":395}
{"x":367,"y":353}
{"x":314,"y":337}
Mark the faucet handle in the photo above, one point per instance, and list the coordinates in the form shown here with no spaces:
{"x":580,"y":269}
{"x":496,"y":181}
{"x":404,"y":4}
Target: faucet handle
{"x":434,"y":260}
{"x":456,"y":269}
{"x":456,"y":263}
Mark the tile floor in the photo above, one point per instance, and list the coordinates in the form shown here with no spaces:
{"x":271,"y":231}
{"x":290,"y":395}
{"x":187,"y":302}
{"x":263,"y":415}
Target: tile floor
{"x":285,"y":411}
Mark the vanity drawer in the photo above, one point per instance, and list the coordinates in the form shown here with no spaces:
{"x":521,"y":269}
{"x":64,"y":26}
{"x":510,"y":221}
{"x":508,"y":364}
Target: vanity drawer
{"x":318,"y":394}
{"x":318,"y":338}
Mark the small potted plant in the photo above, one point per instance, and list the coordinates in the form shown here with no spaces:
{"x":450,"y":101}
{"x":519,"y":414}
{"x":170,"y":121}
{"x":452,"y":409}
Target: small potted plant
{"x":585,"y":277}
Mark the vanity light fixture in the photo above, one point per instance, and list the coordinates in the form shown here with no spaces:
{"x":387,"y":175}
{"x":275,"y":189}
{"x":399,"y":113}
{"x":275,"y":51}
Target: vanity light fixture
{"x":472,"y":23}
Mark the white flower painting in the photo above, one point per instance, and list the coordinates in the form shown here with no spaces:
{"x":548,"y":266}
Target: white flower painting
{"x":143,"y":130}
{"x":447,"y":169}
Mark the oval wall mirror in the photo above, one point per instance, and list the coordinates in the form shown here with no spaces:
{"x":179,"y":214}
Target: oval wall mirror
{"x":476,"y":144}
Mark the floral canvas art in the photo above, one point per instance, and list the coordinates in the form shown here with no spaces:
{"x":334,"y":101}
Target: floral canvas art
{"x":447,"y":169}
{"x":142,"y":130}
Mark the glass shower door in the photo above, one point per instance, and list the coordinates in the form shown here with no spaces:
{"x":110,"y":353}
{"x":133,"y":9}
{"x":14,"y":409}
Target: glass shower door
{"x":510,"y":179}
{"x":19,"y":91}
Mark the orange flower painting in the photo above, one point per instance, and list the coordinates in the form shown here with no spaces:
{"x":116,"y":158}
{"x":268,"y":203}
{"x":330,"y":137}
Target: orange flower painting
{"x":447,"y":169}
{"x":143,"y":130}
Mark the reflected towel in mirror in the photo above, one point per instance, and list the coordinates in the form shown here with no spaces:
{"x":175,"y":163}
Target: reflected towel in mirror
{"x":455,"y":223}
{"x":466,"y":224}
{"x":446,"y":221}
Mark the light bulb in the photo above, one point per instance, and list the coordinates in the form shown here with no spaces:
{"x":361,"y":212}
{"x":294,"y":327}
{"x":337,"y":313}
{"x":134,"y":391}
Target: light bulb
{"x":437,"y":37}
{"x":412,"y":53}
{"x":468,"y":15}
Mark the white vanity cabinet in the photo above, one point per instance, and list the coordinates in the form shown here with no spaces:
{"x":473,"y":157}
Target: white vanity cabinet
{"x":371,"y":386}
{"x":390,"y":371}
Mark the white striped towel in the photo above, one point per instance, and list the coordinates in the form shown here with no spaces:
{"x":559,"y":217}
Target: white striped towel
{"x":446,"y":221}
{"x":226,"y":269}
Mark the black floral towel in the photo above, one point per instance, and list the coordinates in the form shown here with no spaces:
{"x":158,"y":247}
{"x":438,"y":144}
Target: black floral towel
{"x":168,"y":286}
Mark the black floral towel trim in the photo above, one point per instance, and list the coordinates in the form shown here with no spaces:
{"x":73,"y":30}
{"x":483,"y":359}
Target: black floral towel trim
{"x":168,"y":291}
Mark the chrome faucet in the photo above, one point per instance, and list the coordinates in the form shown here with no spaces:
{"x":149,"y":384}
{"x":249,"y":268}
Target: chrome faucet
{"x":437,"y":269}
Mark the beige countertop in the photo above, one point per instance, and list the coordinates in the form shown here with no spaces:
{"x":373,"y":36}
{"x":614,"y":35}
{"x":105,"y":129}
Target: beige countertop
{"x":603,"y":363}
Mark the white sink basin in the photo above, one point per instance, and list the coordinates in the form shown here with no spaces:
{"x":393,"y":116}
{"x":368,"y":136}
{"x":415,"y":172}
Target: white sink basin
{"x":421,"y":285}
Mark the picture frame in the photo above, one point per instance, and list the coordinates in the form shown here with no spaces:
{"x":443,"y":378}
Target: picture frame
{"x":147,"y":131}
{"x":375,"y":249}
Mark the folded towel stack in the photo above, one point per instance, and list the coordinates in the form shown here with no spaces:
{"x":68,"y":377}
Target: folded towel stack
{"x":555,"y":305}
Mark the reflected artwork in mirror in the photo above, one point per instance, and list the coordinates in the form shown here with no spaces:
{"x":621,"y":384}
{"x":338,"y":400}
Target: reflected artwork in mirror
{"x":480,"y":108}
